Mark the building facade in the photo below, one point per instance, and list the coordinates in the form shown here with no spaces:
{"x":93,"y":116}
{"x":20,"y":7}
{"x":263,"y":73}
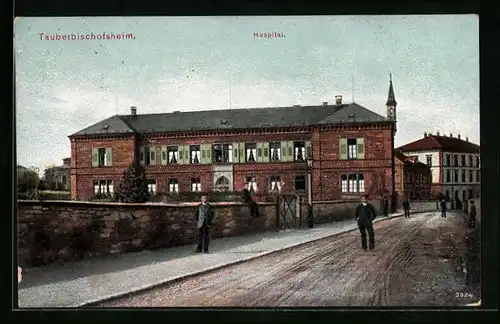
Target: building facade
{"x":60,"y":175}
{"x":413,"y":178}
{"x":263,"y":148}
{"x":454,"y":162}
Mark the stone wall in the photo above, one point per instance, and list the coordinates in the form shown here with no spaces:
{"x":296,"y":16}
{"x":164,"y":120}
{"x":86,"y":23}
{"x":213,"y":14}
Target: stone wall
{"x":50,"y":231}
{"x":334,"y":211}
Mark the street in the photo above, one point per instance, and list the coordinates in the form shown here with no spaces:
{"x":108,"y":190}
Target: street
{"x":417,"y":261}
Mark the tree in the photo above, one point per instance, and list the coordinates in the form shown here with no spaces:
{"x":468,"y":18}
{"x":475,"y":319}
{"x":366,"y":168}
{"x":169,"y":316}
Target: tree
{"x":134,"y":185}
{"x":27,"y":182}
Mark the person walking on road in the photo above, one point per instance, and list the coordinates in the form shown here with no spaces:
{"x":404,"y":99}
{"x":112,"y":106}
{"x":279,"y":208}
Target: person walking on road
{"x":472,"y":214}
{"x":204,"y":217}
{"x":386,"y":206}
{"x":406,"y":206}
{"x":443,"y":207}
{"x":365,"y":214}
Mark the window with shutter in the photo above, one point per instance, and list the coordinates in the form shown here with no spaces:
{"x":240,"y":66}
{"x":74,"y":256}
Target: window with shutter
{"x":259,"y":152}
{"x":152,"y":155}
{"x":109,"y":156}
{"x":142,"y":157}
{"x":284,"y":152}
{"x":265,"y":152}
{"x":309,"y":153}
{"x":95,"y":157}
{"x":343,"y":148}
{"x":236,"y":152}
{"x":360,"y":142}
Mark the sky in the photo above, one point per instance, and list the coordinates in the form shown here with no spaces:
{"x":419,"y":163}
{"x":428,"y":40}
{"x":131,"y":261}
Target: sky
{"x":201,"y":63}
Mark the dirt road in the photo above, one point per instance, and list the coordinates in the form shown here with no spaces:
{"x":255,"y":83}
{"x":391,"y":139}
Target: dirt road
{"x":416,"y":262}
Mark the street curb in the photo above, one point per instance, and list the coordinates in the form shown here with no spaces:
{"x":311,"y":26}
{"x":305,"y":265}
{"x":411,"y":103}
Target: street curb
{"x":218,"y":267}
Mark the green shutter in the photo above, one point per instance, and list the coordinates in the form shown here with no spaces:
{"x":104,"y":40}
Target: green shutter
{"x":265,"y":152}
{"x":360,"y":142}
{"x":142,"y":155}
{"x":243,"y":152}
{"x":205,"y":153}
{"x":236,"y":152}
{"x":182,"y":154}
{"x":95,"y":157}
{"x":152,"y":155}
{"x":290,"y":153}
{"x":309,"y":152}
{"x":109,"y":156}
{"x":284,"y":151}
{"x":187,"y":154}
{"x":164,"y":155}
{"x":258,"y":158}
{"x":343,"y":148}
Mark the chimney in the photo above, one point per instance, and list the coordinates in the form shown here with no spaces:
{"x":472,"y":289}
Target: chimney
{"x":133,"y":110}
{"x":437,"y":133}
{"x":425,"y":134}
{"x":338,"y":100}
{"x":325,"y":103}
{"x":458,"y":136}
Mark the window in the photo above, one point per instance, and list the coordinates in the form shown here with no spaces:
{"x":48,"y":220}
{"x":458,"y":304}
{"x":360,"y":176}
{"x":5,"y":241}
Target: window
{"x":163,"y":155}
{"x":63,"y":179}
{"x":222,"y":153}
{"x":455,"y":160}
{"x":222,"y":184}
{"x":299,"y":151}
{"x":173,"y":154}
{"x":251,"y":184}
{"x":352,"y":149}
{"x":471,"y":176}
{"x":448,"y":178}
{"x":196,"y":185}
{"x":429,"y":160}
{"x":470,"y":161}
{"x":152,"y":186}
{"x":173,"y":186}
{"x":478,"y":176}
{"x":477,"y":162}
{"x":250,"y":152}
{"x":194,"y":154}
{"x":463,"y":159}
{"x":275,"y":184}
{"x":455,"y":175}
{"x":463,"y":176}
{"x":352,"y":183}
{"x":102,"y":157}
{"x":300,"y":183}
{"x":275,"y":148}
{"x":103,"y":187}
{"x":448,"y":159}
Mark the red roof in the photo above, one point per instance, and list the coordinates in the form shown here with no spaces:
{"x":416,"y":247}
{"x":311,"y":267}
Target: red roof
{"x":443,"y":143}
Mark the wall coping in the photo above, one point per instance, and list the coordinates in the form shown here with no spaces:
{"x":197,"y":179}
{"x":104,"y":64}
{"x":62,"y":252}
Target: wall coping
{"x":109,"y":204}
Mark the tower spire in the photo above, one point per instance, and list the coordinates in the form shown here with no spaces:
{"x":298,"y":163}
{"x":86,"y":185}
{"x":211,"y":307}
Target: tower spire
{"x":391,"y":102}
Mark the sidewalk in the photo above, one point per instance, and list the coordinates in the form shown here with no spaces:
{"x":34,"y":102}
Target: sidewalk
{"x":89,"y":281}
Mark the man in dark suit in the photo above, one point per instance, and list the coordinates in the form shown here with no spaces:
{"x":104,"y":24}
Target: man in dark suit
{"x":406,"y":206}
{"x":472,"y":214}
{"x":204,"y":217}
{"x":365,"y":214}
{"x":386,"y":206}
{"x":443,"y":207}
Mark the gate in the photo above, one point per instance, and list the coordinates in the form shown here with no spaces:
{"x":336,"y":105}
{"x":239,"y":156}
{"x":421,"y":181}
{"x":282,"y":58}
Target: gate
{"x":289,"y":211}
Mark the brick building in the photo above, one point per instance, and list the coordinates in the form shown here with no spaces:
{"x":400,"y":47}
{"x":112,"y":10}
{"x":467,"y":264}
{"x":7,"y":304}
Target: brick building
{"x":454,"y":162}
{"x":266,"y":148}
{"x":412,"y":178}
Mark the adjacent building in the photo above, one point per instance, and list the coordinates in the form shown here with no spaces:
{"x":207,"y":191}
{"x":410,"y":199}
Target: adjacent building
{"x":413,"y":178}
{"x":264,"y":148}
{"x":60,"y":175}
{"x":454,"y":162}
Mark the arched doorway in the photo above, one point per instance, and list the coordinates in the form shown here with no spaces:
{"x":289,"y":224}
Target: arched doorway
{"x":222,"y":184}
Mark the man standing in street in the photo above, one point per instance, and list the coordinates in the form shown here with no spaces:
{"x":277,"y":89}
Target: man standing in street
{"x":472,"y":214}
{"x":443,"y":207}
{"x":406,"y":206}
{"x":203,"y":216}
{"x":386,"y":206}
{"x":365,"y":214}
